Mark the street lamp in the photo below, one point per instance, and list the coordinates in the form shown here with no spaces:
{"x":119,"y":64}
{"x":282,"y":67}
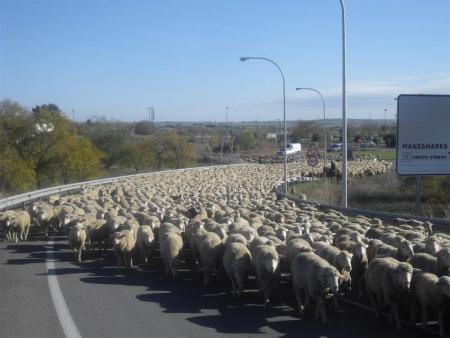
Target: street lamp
{"x":344,"y":111}
{"x":324,"y":126}
{"x":284,"y":113}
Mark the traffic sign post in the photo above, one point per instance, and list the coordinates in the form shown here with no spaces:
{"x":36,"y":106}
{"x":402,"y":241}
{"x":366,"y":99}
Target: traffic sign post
{"x":313,"y":155}
{"x":313,"y":161}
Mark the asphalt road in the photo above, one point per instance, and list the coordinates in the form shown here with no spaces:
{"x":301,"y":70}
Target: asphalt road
{"x":105,"y":301}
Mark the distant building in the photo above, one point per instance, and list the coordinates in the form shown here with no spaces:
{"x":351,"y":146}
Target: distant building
{"x":271,"y":136}
{"x":44,"y":127}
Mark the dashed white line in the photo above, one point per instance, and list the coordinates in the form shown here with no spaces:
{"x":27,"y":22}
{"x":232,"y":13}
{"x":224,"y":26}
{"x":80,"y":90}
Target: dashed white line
{"x":62,"y":311}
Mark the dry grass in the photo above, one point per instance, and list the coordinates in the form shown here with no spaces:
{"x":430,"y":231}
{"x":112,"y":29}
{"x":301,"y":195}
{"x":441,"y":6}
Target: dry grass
{"x":382,"y":193}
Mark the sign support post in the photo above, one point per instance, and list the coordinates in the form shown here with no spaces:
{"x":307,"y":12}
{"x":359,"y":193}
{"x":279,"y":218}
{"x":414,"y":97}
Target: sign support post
{"x":419,"y":194}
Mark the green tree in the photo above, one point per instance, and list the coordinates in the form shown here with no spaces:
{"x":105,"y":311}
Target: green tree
{"x":109,"y":137}
{"x":16,"y":175}
{"x":138,"y":154}
{"x":305,"y":131}
{"x":173,"y":151}
{"x":42,"y":148}
{"x":80,"y":159}
{"x":390,"y":140}
{"x":246,"y":140}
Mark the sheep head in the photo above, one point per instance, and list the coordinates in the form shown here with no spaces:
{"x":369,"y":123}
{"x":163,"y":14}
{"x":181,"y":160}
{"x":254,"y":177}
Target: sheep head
{"x":432,"y":246}
{"x":359,"y":250}
{"x":444,"y":285}
{"x":330,"y":279}
{"x":345,"y":260}
{"x":406,"y":249}
{"x":402,"y":276}
{"x":444,"y":258}
{"x":271,"y":261}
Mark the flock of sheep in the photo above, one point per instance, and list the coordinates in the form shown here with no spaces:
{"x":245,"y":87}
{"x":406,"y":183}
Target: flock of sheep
{"x":233,"y":225}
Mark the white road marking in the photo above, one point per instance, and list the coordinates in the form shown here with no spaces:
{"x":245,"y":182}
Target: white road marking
{"x":62,"y":311}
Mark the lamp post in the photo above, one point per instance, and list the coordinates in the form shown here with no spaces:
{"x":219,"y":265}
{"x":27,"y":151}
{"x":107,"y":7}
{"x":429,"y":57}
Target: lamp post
{"x":284,"y":113}
{"x":324,"y":125}
{"x":344,"y":111}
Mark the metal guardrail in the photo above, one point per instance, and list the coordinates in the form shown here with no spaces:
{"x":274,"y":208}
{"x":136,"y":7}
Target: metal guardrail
{"x":438,"y":224}
{"x":20,"y":200}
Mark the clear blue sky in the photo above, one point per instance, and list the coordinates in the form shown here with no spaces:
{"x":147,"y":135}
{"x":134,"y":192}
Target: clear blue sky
{"x":116,"y":58}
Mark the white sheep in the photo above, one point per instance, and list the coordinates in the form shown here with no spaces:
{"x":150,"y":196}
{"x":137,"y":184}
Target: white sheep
{"x":439,"y":265}
{"x":293,"y":248}
{"x":387,"y":282}
{"x":237,"y":261}
{"x":313,"y":278}
{"x":145,"y":242}
{"x":77,"y":240}
{"x":236,"y":238}
{"x":18,"y":224}
{"x":429,"y":292}
{"x":265,"y":261}
{"x":124,"y":244}
{"x":211,"y":254}
{"x":171,"y":246}
{"x":403,"y":252}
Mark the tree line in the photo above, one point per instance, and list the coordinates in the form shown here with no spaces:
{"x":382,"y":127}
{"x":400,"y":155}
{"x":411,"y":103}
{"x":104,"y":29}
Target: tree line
{"x":42,"y":147}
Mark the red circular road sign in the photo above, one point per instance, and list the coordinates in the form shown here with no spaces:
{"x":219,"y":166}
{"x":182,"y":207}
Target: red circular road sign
{"x":313,"y":161}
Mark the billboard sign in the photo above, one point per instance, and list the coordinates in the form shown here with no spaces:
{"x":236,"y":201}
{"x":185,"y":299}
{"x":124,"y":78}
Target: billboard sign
{"x":423,"y":135}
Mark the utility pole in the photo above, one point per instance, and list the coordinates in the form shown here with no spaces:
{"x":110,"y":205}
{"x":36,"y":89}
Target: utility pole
{"x":73,"y":115}
{"x":226,"y":124}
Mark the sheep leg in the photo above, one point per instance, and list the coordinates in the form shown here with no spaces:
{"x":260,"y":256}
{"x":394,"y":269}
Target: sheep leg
{"x":321,"y":306}
{"x":317,"y":312}
{"x":412,"y":313}
{"x":336,"y":302}
{"x":424,"y":317}
{"x":233,"y":283}
{"x":240,"y":285}
{"x":394,"y":310}
{"x":118,"y":259}
{"x":441,"y":322}
{"x":79,"y":254}
{"x":267,"y":291}
{"x":374,"y":303}
{"x":26,"y":233}
{"x":298,"y":296}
